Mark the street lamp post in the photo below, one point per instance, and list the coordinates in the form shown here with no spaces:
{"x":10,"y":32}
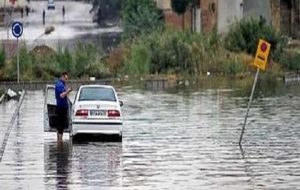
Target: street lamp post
{"x":48,"y":30}
{"x":17,"y":31}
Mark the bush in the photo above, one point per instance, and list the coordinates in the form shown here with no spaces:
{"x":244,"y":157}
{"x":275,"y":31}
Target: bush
{"x":181,"y":52}
{"x":46,"y":64}
{"x":96,"y":67}
{"x":64,"y":60}
{"x":84,"y":56}
{"x":115,"y":60}
{"x":244,"y":36}
{"x":139,"y":61}
{"x":25,"y":63}
{"x":232,"y":67}
{"x":140,"y":17}
{"x":290,"y":61}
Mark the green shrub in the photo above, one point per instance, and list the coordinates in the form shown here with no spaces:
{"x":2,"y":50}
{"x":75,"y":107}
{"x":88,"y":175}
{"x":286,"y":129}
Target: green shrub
{"x":233,"y":67}
{"x":290,"y":61}
{"x":244,"y":36}
{"x":84,"y":56}
{"x":115,"y":60}
{"x":97,"y":68}
{"x":139,"y":61}
{"x":140,"y":17}
{"x":46,"y":64}
{"x":64,"y":60}
{"x":25,"y":65}
{"x":181,"y":52}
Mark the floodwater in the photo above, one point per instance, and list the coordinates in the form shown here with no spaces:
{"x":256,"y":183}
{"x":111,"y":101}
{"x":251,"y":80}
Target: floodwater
{"x":6,"y":111}
{"x":77,"y":25}
{"x":185,"y":140}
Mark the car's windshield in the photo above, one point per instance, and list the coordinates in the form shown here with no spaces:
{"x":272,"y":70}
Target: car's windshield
{"x":97,"y":94}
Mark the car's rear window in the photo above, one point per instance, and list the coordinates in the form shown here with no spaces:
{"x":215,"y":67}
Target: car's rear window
{"x":97,"y":94}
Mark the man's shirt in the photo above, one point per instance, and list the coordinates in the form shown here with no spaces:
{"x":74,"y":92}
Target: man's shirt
{"x":61,"y":103}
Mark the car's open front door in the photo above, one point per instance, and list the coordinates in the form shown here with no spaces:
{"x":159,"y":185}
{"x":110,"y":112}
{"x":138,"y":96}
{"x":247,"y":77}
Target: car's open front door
{"x":50,"y":117}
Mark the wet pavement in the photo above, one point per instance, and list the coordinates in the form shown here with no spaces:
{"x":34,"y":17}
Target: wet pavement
{"x":77,"y":25}
{"x":6,"y":111}
{"x":187,"y":140}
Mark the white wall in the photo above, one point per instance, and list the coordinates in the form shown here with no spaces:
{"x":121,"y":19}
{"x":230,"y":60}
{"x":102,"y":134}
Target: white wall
{"x":198,"y":20}
{"x":255,"y":8}
{"x":163,"y":4}
{"x":229,"y":12}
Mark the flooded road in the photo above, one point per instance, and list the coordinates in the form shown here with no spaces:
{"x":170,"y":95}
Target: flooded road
{"x":76,"y":26}
{"x":187,"y":140}
{"x":6,"y":111}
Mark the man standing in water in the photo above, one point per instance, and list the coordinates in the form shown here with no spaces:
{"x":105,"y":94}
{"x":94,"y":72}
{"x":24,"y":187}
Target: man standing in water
{"x":62,"y":105}
{"x":63,"y":12}
{"x":44,"y":15}
{"x":27,"y":9}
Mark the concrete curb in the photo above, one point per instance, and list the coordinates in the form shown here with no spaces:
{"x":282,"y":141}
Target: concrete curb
{"x":2,"y":96}
{"x":11,"y":123}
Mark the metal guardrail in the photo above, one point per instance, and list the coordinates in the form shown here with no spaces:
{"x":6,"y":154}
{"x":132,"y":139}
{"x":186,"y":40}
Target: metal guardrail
{"x":11,"y":123}
{"x":40,"y":85}
{"x":291,"y":78}
{"x":150,"y":84}
{"x":2,"y":97}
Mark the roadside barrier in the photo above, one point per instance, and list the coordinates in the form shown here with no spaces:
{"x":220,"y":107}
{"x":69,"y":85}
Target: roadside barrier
{"x":11,"y":124}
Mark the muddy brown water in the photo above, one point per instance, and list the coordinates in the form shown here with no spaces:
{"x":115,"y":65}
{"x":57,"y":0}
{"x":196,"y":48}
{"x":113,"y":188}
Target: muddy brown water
{"x":183,"y":140}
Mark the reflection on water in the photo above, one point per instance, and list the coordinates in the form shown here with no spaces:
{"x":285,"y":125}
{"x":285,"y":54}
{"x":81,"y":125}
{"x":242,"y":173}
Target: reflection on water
{"x":57,"y":162}
{"x":186,"y":140}
{"x":71,"y":166}
{"x":97,"y":164}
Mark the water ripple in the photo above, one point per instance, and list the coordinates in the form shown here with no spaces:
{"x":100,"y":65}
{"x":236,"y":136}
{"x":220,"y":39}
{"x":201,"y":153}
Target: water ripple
{"x":171,"y":141}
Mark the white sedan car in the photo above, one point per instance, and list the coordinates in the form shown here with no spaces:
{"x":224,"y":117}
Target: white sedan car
{"x":51,"y":5}
{"x":97,"y":110}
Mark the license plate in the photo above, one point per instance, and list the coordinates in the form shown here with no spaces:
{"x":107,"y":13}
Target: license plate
{"x":97,"y":113}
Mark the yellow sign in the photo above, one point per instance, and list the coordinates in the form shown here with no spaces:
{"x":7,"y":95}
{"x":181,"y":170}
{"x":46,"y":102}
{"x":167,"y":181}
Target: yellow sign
{"x":262,"y":54}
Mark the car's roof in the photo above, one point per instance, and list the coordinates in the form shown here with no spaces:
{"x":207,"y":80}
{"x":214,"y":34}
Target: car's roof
{"x":96,"y":85}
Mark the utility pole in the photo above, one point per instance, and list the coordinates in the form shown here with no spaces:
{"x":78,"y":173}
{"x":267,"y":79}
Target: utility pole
{"x":6,"y":20}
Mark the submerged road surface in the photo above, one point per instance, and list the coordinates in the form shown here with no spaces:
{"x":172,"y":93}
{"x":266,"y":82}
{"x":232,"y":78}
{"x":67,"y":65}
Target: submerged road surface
{"x":77,"y":25}
{"x":6,"y":112}
{"x":187,"y":140}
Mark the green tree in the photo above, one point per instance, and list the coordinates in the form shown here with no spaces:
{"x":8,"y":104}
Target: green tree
{"x":140,"y":17}
{"x":180,"y":7}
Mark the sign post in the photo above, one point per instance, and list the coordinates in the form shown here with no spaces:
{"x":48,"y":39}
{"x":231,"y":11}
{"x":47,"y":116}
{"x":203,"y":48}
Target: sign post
{"x":17,"y":31}
{"x":260,"y":61}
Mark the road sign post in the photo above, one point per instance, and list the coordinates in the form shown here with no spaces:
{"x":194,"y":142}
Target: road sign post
{"x":17,"y":31}
{"x":260,"y":61}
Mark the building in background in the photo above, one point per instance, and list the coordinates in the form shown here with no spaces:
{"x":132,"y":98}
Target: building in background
{"x":207,"y":15}
{"x":286,"y":17}
{"x":257,"y":9}
{"x":174,"y":20}
{"x":204,"y":15}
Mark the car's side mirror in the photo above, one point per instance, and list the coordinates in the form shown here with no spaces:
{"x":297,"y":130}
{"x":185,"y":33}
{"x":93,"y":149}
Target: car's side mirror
{"x":121,"y":103}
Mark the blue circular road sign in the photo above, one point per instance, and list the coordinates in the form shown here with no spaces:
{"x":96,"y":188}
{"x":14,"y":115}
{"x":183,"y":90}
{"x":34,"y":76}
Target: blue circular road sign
{"x":17,"y":29}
